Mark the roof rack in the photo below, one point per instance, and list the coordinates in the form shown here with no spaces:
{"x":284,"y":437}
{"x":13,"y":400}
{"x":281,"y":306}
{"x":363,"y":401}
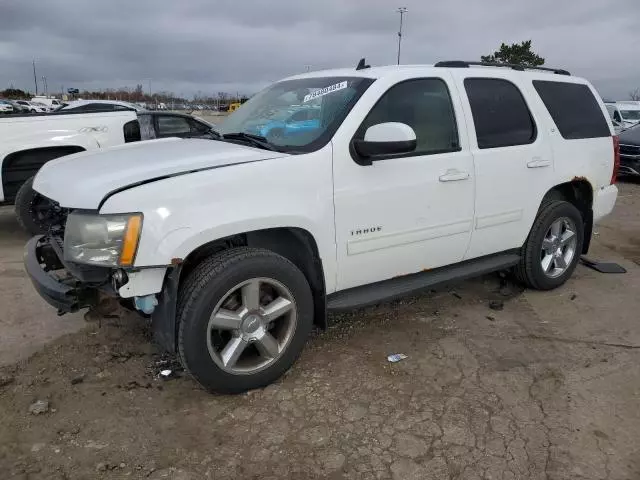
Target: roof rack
{"x":522,"y":68}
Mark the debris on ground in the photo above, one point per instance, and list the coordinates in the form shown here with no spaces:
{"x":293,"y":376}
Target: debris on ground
{"x":36,"y":447}
{"x":396,"y":357}
{"x":490,"y":318}
{"x":573,"y":296}
{"x":166,"y":373}
{"x":77,"y":380}
{"x":496,"y":305}
{"x":39,"y":406}
{"x":457,"y":295}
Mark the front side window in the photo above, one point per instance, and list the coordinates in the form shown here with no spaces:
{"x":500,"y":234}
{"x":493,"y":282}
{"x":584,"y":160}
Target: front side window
{"x":323,"y":101}
{"x":423,"y":104}
{"x":500,"y":114}
{"x":616,"y":116}
{"x":198,"y":128}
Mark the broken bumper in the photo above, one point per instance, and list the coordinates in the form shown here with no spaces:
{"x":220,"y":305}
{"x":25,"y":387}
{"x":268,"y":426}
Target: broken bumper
{"x":62,"y":285}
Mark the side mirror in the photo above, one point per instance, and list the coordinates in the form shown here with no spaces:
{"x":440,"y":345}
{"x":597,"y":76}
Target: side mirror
{"x":385,"y":139}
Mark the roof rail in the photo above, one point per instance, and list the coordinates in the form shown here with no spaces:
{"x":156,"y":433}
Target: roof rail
{"x":522,"y":68}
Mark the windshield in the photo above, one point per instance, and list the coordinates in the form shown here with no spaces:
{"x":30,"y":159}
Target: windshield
{"x":632,"y":115}
{"x":298,"y":115}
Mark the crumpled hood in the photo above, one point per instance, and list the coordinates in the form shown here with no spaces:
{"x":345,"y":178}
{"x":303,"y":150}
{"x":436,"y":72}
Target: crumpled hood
{"x":84,"y":179}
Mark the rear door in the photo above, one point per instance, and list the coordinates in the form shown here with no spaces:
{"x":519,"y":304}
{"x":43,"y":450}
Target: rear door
{"x":513,"y":159}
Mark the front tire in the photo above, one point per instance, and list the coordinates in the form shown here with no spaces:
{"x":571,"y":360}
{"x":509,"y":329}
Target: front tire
{"x":33,"y":211}
{"x":244,"y":316}
{"x":553,"y":247}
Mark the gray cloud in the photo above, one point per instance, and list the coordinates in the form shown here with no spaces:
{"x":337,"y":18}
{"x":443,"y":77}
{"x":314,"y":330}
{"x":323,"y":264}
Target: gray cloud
{"x":241,"y":45}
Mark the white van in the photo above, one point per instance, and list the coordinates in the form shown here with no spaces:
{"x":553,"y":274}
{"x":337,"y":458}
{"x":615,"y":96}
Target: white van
{"x":50,"y":102}
{"x":626,"y":113}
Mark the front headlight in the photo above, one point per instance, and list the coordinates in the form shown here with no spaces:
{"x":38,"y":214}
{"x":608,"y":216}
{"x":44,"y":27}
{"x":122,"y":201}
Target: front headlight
{"x":108,"y":240}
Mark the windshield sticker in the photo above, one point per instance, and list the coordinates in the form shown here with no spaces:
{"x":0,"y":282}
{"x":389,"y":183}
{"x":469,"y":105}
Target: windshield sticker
{"x":325,"y":91}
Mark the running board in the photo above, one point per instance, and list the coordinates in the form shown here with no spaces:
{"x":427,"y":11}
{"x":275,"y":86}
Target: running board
{"x":397,"y":287}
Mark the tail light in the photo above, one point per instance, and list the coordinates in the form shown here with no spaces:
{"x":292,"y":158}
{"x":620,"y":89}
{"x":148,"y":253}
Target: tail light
{"x":616,"y":159}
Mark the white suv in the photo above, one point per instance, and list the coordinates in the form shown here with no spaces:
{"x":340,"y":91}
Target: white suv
{"x":393,"y":180}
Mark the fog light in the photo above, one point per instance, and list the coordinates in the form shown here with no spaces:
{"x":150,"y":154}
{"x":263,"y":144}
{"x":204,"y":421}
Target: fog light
{"x":118,"y":279}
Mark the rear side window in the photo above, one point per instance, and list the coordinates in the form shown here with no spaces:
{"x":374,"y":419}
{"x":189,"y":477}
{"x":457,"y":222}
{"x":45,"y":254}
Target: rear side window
{"x":500,"y":114}
{"x":574,"y":109}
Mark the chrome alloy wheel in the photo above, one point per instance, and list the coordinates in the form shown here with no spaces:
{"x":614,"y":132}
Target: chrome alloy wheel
{"x":558,"y":247}
{"x":251,"y":326}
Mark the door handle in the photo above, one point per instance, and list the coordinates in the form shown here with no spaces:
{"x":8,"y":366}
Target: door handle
{"x":453,"y":175}
{"x":537,"y":162}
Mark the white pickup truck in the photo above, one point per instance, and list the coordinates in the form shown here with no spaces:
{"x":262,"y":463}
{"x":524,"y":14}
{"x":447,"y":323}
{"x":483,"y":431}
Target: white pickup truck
{"x":327,"y":191}
{"x":30,"y":141}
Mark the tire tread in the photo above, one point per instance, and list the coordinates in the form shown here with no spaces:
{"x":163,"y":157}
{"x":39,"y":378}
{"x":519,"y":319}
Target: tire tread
{"x":524,"y":271}
{"x":198,"y":279}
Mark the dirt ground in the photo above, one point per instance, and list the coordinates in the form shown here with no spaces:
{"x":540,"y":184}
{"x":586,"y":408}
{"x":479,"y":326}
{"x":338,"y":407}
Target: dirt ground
{"x":546,"y":388}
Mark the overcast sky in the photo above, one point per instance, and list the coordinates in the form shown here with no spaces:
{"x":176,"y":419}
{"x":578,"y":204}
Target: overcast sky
{"x":241,"y":45}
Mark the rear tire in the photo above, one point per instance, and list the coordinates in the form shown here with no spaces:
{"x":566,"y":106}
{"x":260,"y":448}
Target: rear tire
{"x":553,"y":248}
{"x":216,"y":289}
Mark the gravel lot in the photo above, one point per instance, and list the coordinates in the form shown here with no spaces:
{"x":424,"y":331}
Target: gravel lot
{"x":546,"y":388}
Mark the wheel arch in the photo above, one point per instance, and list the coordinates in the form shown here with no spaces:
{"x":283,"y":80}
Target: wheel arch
{"x":19,"y":166}
{"x":578,"y":192}
{"x":293,"y":243}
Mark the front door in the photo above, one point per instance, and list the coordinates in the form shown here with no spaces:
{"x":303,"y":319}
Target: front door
{"x":405,"y":213}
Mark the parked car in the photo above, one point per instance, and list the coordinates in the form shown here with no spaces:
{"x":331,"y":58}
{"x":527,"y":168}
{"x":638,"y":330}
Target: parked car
{"x":87,"y":106}
{"x":30,"y":141}
{"x":417,"y":176}
{"x":626,"y":113}
{"x":630,"y":151}
{"x":33,"y":107}
{"x":288,"y":122}
{"x":6,"y":106}
{"x":17,"y":107}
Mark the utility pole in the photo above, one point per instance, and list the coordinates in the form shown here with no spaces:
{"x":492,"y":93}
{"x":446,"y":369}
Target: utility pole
{"x":401,"y":11}
{"x":35,"y":79}
{"x":44,"y":84}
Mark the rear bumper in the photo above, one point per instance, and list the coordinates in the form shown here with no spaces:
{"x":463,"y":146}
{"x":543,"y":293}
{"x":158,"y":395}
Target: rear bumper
{"x":603,"y":201}
{"x":55,"y":283}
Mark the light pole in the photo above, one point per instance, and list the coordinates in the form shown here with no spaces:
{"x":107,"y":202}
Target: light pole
{"x":35,"y":78}
{"x":44,"y":84}
{"x":401,"y":11}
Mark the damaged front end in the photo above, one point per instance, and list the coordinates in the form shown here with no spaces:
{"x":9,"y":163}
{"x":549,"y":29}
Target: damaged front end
{"x":70,"y":286}
{"x":65,"y":285}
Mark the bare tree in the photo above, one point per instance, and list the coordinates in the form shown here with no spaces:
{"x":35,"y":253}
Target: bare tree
{"x":635,"y":95}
